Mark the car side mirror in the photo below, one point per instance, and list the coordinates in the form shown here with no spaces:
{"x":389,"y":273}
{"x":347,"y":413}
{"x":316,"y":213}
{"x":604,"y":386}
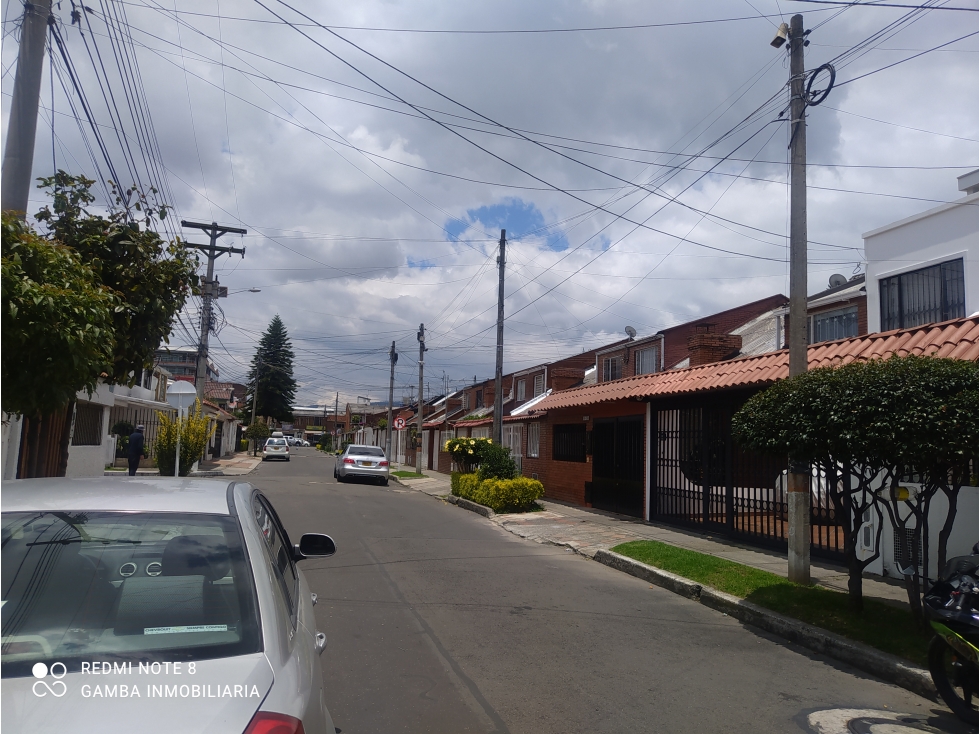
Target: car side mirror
{"x":314,"y":545}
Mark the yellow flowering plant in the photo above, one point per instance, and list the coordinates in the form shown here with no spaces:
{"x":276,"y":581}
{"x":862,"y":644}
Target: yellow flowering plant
{"x":467,"y":453}
{"x":195,"y":431}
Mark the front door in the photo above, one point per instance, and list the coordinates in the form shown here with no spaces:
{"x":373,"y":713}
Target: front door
{"x":218,"y":438}
{"x":617,"y":469}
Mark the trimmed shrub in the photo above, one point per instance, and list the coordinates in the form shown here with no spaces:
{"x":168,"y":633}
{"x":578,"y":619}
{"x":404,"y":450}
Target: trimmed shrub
{"x":496,"y":463}
{"x":467,"y":453}
{"x":509,"y":495}
{"x":243,"y":444}
{"x":465,"y":485}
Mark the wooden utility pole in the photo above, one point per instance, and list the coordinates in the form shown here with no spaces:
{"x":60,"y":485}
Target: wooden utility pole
{"x":799,"y":474}
{"x":18,"y":155}
{"x":498,"y":395}
{"x":211,"y":289}
{"x":421,"y":396}
{"x":394,"y":360}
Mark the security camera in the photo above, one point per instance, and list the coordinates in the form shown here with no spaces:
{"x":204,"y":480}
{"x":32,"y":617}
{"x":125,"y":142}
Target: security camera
{"x":781,"y":36}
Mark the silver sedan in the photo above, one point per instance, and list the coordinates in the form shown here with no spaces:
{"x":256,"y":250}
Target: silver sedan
{"x":156,"y":605}
{"x":362,"y":461}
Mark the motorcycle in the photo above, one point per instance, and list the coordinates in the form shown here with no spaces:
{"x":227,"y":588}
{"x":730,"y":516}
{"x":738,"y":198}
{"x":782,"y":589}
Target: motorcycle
{"x":952,"y":608}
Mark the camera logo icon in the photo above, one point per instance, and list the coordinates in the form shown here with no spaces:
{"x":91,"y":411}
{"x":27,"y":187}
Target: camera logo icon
{"x":57,"y":687}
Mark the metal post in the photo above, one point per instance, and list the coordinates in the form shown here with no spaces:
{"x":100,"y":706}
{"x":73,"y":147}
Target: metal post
{"x":421,"y":396}
{"x":18,"y":155}
{"x":180,"y":425}
{"x":799,"y":475}
{"x":258,"y":369}
{"x":498,"y":396}
{"x":394,"y":360}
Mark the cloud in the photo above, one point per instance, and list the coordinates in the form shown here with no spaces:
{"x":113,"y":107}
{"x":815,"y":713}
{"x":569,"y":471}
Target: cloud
{"x":366,"y":218}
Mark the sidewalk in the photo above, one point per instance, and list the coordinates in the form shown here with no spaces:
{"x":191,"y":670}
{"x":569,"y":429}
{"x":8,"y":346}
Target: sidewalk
{"x":230,"y":466}
{"x":587,"y":531}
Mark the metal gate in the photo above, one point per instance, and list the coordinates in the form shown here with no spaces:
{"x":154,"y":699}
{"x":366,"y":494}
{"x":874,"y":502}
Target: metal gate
{"x":618,"y":466}
{"x":701,"y":478}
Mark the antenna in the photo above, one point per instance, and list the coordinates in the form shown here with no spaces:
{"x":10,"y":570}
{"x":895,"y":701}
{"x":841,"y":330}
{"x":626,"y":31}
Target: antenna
{"x":837,"y":280}
{"x":631,"y":332}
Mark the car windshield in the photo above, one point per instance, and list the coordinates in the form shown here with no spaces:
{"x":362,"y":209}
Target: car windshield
{"x":123,"y":587}
{"x":365,"y":451}
{"x":276,"y":442}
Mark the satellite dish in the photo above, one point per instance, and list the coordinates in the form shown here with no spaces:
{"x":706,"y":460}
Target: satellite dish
{"x":631,"y":332}
{"x":837,"y":280}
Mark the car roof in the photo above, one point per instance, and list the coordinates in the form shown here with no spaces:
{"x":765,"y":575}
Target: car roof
{"x":117,"y":494}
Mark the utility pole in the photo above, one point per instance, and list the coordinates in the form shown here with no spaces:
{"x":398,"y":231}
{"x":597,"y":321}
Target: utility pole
{"x":336,"y":418}
{"x":211,"y":289}
{"x":18,"y":155}
{"x":421,"y":396}
{"x":498,"y":394}
{"x":394,"y":360}
{"x":258,"y":370}
{"x":799,"y":474}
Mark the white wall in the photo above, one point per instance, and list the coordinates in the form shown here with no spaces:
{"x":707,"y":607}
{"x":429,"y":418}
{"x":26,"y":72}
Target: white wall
{"x":937,"y":235}
{"x":90,"y":461}
{"x":12,"y":426}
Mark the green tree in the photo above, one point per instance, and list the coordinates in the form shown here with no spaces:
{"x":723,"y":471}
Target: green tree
{"x":271,"y":371}
{"x":151,"y":277}
{"x":58,"y":335}
{"x":867,"y":426}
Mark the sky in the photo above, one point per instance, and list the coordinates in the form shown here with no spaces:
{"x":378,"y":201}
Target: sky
{"x":634,"y":152}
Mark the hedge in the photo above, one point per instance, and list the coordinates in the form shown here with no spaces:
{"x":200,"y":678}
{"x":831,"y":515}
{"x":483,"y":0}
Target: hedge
{"x":500,"y":495}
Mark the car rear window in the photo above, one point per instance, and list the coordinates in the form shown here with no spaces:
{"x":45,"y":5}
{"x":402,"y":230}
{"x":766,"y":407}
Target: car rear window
{"x":82,"y":586}
{"x":276,"y":442}
{"x":365,"y":451}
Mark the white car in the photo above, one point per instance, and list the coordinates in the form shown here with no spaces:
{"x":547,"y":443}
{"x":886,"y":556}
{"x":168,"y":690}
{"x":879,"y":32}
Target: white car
{"x":156,"y":605}
{"x":276,"y":448}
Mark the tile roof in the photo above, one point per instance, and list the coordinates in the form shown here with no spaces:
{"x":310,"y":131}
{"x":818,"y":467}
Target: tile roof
{"x":958,"y":339}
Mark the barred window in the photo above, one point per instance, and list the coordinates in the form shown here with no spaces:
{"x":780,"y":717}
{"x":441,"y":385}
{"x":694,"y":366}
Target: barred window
{"x":533,"y":440}
{"x":569,"y":442}
{"x":924,"y":296}
{"x":538,"y":385}
{"x":838,"y":324}
{"x":612,"y":369}
{"x":88,"y":425}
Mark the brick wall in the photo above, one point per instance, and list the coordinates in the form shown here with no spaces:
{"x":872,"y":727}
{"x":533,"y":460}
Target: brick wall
{"x":706,"y":347}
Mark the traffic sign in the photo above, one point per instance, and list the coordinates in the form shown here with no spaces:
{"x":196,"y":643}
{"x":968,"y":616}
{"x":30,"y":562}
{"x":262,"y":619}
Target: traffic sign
{"x":399,"y":423}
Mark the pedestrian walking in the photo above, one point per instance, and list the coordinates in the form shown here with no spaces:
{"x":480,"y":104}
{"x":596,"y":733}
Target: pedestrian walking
{"x":136,"y":449}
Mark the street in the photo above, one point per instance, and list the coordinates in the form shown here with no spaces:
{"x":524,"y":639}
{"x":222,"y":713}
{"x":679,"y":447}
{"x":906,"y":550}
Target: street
{"x":439,"y":621}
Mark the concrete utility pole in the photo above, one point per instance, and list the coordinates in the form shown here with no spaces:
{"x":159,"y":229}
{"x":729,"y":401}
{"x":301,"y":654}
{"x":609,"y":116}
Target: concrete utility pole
{"x":394,"y":360}
{"x":498,"y":395}
{"x":211,"y":289}
{"x":336,"y":418}
{"x":799,"y":473}
{"x":421,"y":396}
{"x":18,"y":155}
{"x":258,"y":370}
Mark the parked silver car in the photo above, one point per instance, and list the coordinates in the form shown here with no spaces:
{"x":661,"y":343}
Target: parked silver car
{"x":156,"y":605}
{"x":362,"y":461}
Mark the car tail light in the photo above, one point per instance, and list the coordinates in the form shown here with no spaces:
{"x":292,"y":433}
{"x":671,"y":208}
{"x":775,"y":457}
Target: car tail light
{"x":348,"y":461}
{"x":265,"y":722}
{"x":383,"y":463}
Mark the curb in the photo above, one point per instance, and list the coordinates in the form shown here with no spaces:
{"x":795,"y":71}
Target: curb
{"x":471,"y":506}
{"x":887,"y":667}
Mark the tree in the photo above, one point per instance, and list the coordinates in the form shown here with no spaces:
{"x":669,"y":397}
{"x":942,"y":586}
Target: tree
{"x":868,"y":426}
{"x":151,"y":277}
{"x":58,"y":335}
{"x":271,"y":371}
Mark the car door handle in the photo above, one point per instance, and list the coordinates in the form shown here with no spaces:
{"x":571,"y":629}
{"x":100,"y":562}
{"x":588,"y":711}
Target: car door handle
{"x":320,"y":644}
{"x":314,"y":598}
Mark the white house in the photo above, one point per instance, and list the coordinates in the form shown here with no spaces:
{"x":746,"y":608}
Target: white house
{"x":925,"y":268}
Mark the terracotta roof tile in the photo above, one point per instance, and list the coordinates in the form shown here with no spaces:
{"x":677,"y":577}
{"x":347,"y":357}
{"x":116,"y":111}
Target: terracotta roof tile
{"x":958,"y":339}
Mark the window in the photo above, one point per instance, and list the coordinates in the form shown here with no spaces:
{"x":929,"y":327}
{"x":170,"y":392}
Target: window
{"x":533,"y":440}
{"x":611,"y":369}
{"x":465,"y":401}
{"x":513,"y":440}
{"x":569,"y":442}
{"x":538,"y":385}
{"x":279,"y":550}
{"x":88,"y":425}
{"x":124,"y":586}
{"x":479,"y":398}
{"x":521,"y":390}
{"x":924,"y":296}
{"x":647,"y":361}
{"x":838,"y":324}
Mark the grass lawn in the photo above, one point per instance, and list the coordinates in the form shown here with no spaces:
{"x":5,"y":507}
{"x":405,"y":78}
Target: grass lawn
{"x":879,"y":625}
{"x":407,"y":474}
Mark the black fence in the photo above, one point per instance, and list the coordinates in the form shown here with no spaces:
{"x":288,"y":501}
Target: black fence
{"x":701,"y":478}
{"x":146,"y":417}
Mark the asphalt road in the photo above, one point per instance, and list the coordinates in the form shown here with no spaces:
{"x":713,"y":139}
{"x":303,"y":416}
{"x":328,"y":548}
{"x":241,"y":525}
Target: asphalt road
{"x":440,"y":621}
